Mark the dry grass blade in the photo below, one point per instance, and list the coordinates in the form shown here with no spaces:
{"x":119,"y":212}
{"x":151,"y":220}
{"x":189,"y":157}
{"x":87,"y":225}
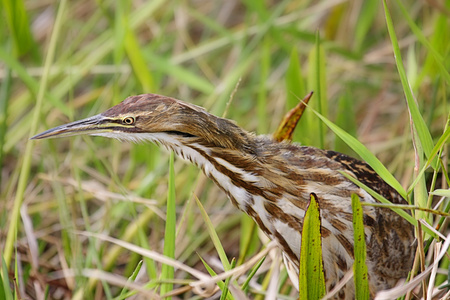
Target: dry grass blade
{"x":201,"y":284}
{"x":205,"y":284}
{"x":148,"y":253}
{"x":346,"y":278}
{"x":107,"y":277}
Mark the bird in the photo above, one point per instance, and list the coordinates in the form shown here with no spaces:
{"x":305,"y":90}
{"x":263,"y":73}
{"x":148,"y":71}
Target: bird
{"x":271,"y":182}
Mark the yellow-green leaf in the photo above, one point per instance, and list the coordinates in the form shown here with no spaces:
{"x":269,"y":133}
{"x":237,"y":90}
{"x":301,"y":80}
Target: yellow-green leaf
{"x":359,"y":266}
{"x":311,"y":277}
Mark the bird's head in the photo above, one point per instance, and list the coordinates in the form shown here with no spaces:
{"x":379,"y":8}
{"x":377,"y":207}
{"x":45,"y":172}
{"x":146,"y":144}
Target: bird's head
{"x":159,"y":119}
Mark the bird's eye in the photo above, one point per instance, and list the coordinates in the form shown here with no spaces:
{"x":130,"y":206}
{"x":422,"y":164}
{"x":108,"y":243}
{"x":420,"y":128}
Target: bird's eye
{"x":128,"y":121}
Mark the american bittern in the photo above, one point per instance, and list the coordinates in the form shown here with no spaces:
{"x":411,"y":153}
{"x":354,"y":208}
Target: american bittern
{"x":271,"y":182}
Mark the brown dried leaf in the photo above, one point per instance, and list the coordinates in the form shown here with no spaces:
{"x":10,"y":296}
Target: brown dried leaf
{"x":290,"y":120}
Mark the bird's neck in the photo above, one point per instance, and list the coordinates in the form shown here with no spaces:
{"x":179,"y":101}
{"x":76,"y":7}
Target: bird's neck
{"x":226,"y":167}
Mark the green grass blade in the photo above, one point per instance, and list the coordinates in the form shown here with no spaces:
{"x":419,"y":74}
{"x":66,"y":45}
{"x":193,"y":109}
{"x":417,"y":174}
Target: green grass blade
{"x":176,"y":71}
{"x":121,"y":25}
{"x":167,"y":272}
{"x":441,"y":192}
{"x":222,"y":285}
{"x":419,"y":124}
{"x":317,"y":83}
{"x":346,"y":119}
{"x":245,"y":285}
{"x":17,"y":20}
{"x":225,"y":291}
{"x":5,"y":94}
{"x":132,"y":278}
{"x":359,"y":267}
{"x":5,"y":288}
{"x":440,"y":143}
{"x":138,"y":63}
{"x":420,"y":189}
{"x":126,"y":39}
{"x":265,"y":59}
{"x":380,"y":198}
{"x":366,"y":17}
{"x":214,"y":237}
{"x":365,"y":154}
{"x":311,"y":277}
{"x":422,"y":140}
{"x":295,"y":86}
{"x":25,"y":168}
{"x":249,"y":238}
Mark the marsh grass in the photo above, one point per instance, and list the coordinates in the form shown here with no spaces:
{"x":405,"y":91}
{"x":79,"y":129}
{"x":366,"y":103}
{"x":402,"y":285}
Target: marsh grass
{"x":60,"y":200}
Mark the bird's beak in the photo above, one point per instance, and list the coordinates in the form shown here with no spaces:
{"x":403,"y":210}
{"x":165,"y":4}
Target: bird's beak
{"x":93,"y":125}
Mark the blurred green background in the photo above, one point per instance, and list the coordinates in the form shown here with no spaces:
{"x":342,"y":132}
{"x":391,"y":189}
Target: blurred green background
{"x":248,"y":60}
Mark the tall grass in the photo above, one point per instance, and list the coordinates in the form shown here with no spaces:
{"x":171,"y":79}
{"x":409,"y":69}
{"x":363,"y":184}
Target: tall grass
{"x":379,"y":71}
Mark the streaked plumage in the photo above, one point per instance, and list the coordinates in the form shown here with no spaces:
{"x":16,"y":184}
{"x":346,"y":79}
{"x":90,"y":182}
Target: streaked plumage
{"x":271,"y":182}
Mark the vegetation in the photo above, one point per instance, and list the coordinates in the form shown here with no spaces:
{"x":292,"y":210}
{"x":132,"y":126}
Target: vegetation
{"x":86,"y":217}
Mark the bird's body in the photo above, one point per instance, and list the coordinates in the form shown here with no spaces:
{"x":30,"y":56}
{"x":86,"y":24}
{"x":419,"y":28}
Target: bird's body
{"x":272,"y":183}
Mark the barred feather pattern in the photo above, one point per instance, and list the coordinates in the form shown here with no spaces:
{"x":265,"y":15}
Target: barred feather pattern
{"x":273,"y":186}
{"x":272,"y":183}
